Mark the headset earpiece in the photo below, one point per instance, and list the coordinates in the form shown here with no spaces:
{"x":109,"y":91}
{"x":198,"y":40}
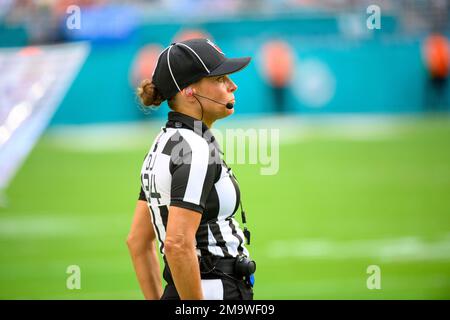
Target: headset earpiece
{"x":189,"y":91}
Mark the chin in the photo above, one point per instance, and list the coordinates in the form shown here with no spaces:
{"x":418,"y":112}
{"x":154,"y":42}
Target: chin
{"x":229,"y":112}
{"x":225,"y":113}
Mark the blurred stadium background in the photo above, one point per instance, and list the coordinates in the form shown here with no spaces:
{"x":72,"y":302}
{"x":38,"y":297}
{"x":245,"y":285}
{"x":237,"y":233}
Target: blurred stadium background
{"x":363,"y":114}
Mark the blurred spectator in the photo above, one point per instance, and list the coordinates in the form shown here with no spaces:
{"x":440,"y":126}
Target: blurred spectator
{"x":277,"y":65}
{"x":437,"y":60}
{"x":42,"y":18}
{"x":144,"y":64}
{"x":440,"y":16}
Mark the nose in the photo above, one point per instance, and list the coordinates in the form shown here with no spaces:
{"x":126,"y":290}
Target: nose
{"x":232,"y":87}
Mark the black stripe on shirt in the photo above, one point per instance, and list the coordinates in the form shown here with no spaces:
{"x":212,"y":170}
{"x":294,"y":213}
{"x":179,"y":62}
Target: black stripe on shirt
{"x":220,"y":242}
{"x":180,"y":168}
{"x":142,"y":195}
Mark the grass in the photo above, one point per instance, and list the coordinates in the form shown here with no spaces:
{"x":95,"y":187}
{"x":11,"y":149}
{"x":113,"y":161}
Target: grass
{"x":73,"y":207}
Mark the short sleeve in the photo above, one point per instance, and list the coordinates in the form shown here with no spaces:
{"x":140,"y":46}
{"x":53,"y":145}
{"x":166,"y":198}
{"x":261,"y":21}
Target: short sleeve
{"x":193,"y":174}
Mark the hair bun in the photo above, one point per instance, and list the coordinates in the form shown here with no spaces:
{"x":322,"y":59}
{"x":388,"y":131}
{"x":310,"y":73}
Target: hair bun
{"x":149,"y":94}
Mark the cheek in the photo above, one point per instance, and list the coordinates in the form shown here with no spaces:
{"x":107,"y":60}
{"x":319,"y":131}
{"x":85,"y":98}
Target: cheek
{"x":220,"y":91}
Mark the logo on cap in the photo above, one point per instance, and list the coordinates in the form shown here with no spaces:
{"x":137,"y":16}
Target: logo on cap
{"x":212,"y":44}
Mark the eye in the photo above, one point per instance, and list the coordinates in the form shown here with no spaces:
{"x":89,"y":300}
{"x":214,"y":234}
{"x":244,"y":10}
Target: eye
{"x":221,"y":79}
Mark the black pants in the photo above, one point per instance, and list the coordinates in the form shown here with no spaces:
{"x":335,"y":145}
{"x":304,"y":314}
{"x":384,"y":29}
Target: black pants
{"x":221,"y":288}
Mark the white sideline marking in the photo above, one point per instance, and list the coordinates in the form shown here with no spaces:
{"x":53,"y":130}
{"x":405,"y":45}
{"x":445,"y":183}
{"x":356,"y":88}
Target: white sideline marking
{"x":388,"y":250}
{"x":293,"y":129}
{"x":44,"y":226}
{"x":103,"y":137}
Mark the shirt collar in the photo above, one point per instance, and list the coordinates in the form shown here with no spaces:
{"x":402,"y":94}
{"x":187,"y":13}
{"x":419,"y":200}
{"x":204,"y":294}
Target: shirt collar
{"x":179,"y":120}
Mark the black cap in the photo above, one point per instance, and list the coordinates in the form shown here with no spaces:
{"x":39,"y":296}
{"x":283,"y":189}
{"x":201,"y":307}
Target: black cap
{"x":186,"y":62}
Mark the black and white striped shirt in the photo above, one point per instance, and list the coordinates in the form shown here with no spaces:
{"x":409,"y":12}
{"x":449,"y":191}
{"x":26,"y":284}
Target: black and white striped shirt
{"x":184,"y":168}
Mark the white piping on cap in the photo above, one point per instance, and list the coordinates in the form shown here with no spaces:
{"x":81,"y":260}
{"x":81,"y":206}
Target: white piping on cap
{"x":168,"y":61}
{"x":207,"y":70}
{"x":170,"y":69}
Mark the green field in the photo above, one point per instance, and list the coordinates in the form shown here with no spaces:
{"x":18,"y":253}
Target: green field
{"x":345,"y":197}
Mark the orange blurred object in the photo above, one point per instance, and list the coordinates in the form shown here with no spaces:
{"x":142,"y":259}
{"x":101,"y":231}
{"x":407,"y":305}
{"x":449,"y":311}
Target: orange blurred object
{"x":278,"y":62}
{"x":144,"y":63}
{"x":29,"y":51}
{"x":60,"y":7}
{"x":437,"y":55}
{"x":188,"y":34}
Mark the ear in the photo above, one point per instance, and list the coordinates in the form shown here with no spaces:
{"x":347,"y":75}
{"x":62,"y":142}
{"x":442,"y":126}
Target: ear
{"x":189,"y":91}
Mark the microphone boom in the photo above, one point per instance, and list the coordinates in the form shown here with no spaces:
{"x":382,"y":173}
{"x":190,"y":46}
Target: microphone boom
{"x":228,"y":105}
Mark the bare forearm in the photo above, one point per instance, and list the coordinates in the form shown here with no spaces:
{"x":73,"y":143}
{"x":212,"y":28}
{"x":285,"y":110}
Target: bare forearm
{"x":146,"y":265}
{"x":185,"y":272}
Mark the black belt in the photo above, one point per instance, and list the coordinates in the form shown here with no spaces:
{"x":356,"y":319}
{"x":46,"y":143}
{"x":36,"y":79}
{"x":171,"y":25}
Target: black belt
{"x":209,"y":268}
{"x":225,"y":265}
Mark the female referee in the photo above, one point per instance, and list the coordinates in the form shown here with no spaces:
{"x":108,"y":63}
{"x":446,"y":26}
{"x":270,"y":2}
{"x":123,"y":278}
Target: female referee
{"x":188,"y":192}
